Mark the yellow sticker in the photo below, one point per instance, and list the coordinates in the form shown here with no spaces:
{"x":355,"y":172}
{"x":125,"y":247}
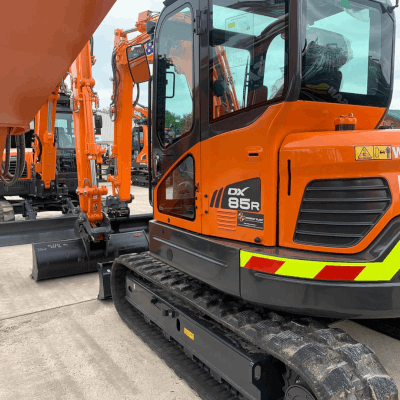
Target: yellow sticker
{"x":373,"y":153}
{"x":382,"y":152}
{"x":188,"y":333}
{"x":231,"y":25}
{"x":364,"y":153}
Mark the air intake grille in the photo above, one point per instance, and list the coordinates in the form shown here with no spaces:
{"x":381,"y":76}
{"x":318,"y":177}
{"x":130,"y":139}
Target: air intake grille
{"x":13,"y":167}
{"x":340,"y":212}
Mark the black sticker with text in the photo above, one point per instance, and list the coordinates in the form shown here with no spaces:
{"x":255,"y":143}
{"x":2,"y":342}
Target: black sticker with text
{"x":243,"y":196}
{"x":248,"y":220}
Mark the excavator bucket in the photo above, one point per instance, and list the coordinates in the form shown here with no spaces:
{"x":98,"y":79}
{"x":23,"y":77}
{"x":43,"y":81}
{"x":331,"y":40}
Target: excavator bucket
{"x":42,"y":47}
{"x":77,"y":256}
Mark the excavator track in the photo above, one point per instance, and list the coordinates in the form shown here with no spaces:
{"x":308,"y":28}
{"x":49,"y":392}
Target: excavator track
{"x":332,"y":364}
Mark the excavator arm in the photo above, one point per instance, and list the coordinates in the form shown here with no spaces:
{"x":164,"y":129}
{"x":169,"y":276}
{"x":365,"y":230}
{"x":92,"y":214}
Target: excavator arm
{"x":122,"y":113}
{"x":44,"y":145}
{"x":88,"y":153}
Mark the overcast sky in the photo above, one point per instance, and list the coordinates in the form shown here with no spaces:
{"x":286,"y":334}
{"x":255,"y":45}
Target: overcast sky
{"x":124,"y":15}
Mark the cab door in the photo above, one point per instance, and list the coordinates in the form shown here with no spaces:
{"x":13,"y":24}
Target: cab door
{"x":175,"y":116}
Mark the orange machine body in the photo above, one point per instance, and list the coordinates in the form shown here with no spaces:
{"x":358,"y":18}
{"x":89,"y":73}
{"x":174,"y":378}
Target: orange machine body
{"x":281,"y":133}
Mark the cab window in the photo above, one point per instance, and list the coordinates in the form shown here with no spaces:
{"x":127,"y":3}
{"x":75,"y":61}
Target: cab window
{"x":248,"y":49}
{"x":175,"y":77}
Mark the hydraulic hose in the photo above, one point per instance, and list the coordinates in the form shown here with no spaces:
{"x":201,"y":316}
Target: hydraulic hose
{"x":19,"y":168}
{"x":7,"y":160}
{"x":40,"y":147}
{"x":136,"y":102}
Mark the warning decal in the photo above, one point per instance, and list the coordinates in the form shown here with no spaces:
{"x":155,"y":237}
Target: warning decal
{"x":363,"y":153}
{"x":382,"y":152}
{"x":188,"y":333}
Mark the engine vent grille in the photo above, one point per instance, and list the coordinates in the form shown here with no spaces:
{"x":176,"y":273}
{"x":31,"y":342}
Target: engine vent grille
{"x":13,"y":167}
{"x":340,"y":212}
{"x":226,"y":220}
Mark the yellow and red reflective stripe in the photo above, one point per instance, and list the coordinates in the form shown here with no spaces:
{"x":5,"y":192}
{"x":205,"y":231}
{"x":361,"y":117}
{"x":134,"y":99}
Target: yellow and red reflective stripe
{"x":324,"y":270}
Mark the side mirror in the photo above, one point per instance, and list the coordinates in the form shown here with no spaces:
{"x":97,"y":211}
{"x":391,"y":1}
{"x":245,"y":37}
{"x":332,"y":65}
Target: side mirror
{"x":98,"y":121}
{"x":150,"y":27}
{"x":138,"y":63}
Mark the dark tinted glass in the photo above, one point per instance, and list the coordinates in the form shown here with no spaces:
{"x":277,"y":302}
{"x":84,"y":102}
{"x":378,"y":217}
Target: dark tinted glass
{"x":176,"y":194}
{"x":64,"y":129}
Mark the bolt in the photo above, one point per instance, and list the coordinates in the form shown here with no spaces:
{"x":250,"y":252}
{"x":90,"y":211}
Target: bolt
{"x":206,"y":212}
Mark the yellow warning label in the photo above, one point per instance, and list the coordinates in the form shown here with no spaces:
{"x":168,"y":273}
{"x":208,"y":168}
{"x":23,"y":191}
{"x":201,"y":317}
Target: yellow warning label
{"x":373,"y":153}
{"x":364,"y":153}
{"x":188,"y":333}
{"x":382,"y":152}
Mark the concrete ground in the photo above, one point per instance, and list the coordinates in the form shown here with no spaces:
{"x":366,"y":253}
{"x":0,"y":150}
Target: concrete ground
{"x":57,"y":341}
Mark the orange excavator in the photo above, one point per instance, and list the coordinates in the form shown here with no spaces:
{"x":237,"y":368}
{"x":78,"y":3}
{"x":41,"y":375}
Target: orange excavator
{"x":49,"y":178}
{"x":97,"y":236}
{"x":35,"y":61}
{"x":275,"y":213}
{"x":49,"y":181}
{"x":276,"y":205}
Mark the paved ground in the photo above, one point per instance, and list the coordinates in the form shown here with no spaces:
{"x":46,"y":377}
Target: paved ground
{"x":57,"y":341}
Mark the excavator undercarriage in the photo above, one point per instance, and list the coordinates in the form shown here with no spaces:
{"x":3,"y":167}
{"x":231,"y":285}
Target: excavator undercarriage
{"x":240,"y":344}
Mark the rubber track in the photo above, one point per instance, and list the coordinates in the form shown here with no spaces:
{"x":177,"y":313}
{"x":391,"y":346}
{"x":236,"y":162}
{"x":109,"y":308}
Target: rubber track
{"x":192,"y":373}
{"x":335,"y":366}
{"x":389,"y":327}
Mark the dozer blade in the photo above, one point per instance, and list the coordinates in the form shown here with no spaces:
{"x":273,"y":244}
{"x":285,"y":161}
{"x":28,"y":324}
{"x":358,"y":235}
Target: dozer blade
{"x":37,"y":230}
{"x":71,"y":257}
{"x":138,"y":222}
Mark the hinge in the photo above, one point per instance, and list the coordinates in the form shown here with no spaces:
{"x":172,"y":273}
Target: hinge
{"x":201,"y":22}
